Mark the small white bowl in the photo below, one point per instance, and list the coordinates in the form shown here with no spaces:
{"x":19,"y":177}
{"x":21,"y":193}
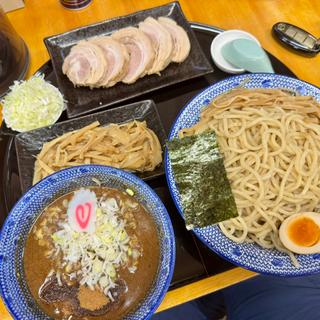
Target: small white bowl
{"x":220,"y":40}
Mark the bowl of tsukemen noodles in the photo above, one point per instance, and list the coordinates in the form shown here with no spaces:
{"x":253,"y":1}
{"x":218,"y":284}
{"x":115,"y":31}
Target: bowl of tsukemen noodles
{"x":242,"y":166}
{"x":87,"y":242}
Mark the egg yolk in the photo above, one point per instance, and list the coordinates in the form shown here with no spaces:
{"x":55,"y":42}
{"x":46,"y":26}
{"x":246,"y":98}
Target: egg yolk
{"x":304,"y":232}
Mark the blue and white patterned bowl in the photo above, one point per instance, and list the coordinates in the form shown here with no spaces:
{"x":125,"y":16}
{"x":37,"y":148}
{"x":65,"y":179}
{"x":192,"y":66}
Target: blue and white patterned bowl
{"x":247,"y":255}
{"x":13,"y":287}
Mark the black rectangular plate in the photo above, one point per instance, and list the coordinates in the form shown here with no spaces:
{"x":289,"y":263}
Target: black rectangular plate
{"x":189,"y":265}
{"x":83,"y":100}
{"x":29,"y":144}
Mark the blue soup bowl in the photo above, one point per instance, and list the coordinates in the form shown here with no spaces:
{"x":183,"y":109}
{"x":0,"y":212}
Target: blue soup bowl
{"x":13,"y":287}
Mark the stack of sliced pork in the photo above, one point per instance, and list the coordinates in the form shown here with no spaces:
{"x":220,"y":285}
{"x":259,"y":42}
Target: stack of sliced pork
{"x":128,"y":54}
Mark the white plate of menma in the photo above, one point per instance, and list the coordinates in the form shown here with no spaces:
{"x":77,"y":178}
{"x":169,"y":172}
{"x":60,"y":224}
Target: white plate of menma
{"x":242,"y":168}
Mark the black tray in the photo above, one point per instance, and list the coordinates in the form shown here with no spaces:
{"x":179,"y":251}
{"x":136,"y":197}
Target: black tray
{"x":193,"y":260}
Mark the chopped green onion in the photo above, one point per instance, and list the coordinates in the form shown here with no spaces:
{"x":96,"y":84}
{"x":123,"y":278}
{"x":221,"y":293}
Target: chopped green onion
{"x":130,"y":192}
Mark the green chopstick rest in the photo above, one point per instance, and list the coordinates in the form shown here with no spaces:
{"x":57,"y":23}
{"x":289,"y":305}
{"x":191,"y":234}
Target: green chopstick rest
{"x":247,"y":54}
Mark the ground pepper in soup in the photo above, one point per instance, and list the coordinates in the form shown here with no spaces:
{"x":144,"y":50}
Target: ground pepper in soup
{"x":102,"y":271}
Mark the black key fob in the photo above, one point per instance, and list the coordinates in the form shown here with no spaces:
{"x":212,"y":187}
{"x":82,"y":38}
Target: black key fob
{"x":296,"y":38}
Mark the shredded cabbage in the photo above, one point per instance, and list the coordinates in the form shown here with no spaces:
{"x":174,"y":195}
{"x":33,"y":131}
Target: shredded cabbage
{"x":32,"y":104}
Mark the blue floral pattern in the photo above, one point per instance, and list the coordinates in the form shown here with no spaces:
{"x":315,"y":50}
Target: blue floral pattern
{"x":247,"y":255}
{"x":13,"y":287}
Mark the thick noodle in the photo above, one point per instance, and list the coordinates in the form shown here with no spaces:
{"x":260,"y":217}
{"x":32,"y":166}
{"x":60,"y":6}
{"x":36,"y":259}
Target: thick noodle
{"x":271,"y":144}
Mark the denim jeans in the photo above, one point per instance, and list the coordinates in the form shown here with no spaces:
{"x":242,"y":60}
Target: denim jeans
{"x":260,"y":298}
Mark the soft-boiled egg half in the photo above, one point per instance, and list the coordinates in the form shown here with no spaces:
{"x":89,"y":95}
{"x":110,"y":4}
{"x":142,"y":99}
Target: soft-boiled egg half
{"x":300,"y":233}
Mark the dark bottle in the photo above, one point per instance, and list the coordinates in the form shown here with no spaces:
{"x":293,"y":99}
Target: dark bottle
{"x":14,"y":56}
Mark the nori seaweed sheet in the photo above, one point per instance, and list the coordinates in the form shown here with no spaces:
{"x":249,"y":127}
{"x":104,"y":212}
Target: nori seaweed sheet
{"x":200,"y":176}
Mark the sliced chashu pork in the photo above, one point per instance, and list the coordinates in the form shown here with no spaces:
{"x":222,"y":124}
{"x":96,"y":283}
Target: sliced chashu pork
{"x":85,"y":65}
{"x":140,"y":50}
{"x":117,"y":58}
{"x":162,"y":43}
{"x":181,"y":47}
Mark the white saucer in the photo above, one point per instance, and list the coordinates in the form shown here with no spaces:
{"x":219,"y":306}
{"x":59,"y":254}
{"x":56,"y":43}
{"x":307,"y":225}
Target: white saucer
{"x":220,"y":40}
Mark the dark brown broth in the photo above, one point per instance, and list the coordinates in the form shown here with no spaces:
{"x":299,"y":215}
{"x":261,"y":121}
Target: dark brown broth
{"x":37,"y":266}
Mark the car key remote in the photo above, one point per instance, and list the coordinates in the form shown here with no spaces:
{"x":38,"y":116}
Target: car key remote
{"x":296,"y":38}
